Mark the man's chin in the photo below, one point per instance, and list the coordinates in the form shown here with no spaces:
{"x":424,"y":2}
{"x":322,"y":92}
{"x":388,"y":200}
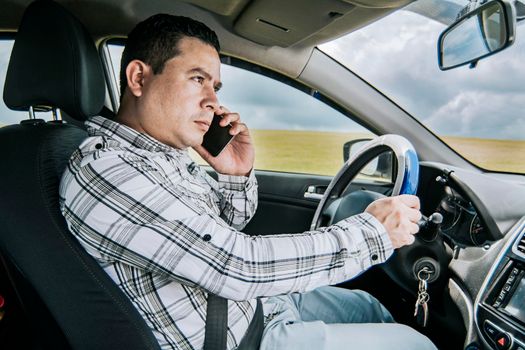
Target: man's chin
{"x":197,"y":142}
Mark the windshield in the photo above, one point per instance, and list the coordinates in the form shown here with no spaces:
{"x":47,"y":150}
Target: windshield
{"x":479,"y":112}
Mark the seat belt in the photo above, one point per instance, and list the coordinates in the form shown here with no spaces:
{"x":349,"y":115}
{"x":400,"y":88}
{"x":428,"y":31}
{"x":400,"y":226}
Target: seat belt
{"x":252,"y":337}
{"x":217,"y":325}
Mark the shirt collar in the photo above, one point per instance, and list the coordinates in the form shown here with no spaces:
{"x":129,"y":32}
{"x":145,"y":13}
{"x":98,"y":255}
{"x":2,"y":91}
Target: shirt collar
{"x":98,"y":126}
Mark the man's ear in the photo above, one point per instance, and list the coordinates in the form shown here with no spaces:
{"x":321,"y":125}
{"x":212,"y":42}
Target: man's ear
{"x":136,"y":72}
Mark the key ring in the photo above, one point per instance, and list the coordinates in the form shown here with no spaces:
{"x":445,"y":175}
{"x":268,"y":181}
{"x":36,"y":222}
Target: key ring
{"x":423,"y":298}
{"x":427,"y":273}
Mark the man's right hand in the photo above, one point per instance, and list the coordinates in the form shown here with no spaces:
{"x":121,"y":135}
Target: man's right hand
{"x":399,"y":215}
{"x":238,"y":157}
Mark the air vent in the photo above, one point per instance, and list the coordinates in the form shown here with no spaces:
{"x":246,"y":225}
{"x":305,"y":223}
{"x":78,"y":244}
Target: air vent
{"x":521,"y":245}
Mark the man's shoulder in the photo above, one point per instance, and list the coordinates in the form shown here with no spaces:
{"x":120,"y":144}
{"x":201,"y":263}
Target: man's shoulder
{"x":101,"y":155}
{"x":100,"y":160}
{"x":109,"y":157}
{"x":101,"y":148}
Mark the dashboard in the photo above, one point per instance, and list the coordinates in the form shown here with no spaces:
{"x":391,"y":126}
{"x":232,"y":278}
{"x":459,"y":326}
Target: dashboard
{"x":500,"y":305}
{"x":462,"y":224}
{"x":483,"y":229}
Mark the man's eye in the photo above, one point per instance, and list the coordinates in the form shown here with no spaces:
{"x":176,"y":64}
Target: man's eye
{"x":199,"y":80}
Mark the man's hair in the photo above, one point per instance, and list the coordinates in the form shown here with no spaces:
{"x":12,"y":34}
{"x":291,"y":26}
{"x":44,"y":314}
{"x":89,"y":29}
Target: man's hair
{"x":155,"y":40}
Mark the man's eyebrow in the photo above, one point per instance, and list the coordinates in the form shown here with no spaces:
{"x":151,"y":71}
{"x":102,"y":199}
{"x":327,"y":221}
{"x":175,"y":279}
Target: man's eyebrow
{"x":206,"y":75}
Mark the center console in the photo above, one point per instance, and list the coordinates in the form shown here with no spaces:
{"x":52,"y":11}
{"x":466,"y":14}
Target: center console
{"x":500,"y":307}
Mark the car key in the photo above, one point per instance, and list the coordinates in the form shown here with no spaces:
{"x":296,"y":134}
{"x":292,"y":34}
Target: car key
{"x":421,"y":309}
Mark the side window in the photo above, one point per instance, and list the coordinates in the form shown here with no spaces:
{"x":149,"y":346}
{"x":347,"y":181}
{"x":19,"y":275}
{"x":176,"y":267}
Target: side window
{"x":293,"y":131}
{"x":8,"y":116}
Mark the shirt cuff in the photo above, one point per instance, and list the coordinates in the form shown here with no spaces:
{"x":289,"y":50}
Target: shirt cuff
{"x":237,"y":183}
{"x":376,"y":246}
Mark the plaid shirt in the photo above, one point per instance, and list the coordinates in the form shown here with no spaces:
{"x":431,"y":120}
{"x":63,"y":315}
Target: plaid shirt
{"x":167,"y":234}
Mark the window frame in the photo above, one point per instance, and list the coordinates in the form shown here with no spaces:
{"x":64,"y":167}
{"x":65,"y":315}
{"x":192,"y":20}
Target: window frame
{"x":113,"y":81}
{"x":111,"y":77}
{"x":5,"y":36}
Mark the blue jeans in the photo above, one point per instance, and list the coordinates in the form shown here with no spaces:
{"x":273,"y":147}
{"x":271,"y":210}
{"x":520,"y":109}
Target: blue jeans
{"x":335,"y":318}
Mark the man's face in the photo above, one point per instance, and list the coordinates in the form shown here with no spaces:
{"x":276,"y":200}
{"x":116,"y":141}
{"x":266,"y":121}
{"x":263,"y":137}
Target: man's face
{"x":177,"y":106}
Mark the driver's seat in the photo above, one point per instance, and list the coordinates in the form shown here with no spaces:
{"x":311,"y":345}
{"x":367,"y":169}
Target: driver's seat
{"x":70,"y":300}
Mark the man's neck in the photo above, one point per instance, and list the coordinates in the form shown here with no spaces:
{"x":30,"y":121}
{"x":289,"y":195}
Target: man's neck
{"x":126,"y":114}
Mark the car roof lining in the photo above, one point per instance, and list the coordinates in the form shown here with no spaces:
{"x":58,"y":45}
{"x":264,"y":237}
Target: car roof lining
{"x":237,"y":23}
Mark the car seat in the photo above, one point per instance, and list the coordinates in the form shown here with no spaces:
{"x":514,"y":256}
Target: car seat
{"x":70,"y":300}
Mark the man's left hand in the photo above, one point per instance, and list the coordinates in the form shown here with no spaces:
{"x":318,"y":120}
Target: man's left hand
{"x":238,"y":156}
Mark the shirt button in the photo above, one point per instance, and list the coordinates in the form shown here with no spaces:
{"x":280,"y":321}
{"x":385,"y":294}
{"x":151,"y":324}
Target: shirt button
{"x":374,"y":257}
{"x":98,"y":146}
{"x":206,"y":237}
{"x":192,"y":168}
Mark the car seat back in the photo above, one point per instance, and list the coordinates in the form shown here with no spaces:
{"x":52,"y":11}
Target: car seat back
{"x":55,"y":65}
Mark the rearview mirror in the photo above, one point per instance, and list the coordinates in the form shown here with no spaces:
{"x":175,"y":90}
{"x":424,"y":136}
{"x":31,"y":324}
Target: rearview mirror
{"x":477,"y":34}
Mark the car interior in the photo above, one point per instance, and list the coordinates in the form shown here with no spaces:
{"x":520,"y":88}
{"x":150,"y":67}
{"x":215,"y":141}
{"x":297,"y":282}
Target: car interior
{"x":53,"y":295}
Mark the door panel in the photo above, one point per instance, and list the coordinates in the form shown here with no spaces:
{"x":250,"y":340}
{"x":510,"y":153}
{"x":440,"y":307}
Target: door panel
{"x":283,"y":207}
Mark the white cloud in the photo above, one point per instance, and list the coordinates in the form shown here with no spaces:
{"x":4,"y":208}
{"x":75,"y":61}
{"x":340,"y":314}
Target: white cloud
{"x":398,"y":55}
{"x":264,"y":103}
{"x":462,"y":115}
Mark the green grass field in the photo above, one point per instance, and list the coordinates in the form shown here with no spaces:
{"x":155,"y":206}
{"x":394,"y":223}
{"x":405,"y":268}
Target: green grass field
{"x":319,"y":152}
{"x":501,"y":155}
{"x":322,"y":152}
{"x":301,"y":151}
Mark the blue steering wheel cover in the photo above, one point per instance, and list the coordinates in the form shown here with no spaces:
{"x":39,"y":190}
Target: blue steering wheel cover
{"x":411,"y":178}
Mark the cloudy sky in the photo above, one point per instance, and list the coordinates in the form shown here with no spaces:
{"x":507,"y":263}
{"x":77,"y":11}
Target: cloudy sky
{"x":398,"y":56}
{"x":264,"y":103}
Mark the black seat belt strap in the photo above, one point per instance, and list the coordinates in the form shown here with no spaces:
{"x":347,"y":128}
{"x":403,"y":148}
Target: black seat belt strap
{"x":252,"y":337}
{"x":216,"y":323}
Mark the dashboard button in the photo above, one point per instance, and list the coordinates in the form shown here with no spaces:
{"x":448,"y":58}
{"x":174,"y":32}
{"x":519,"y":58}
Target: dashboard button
{"x":491,"y":331}
{"x":502,"y":342}
{"x":518,"y":345}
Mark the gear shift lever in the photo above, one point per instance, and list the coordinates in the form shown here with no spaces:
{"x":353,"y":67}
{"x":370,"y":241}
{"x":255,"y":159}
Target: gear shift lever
{"x":429,"y":226}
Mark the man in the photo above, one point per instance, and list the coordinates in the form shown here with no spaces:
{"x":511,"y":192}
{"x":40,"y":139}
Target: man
{"x":167,"y":233}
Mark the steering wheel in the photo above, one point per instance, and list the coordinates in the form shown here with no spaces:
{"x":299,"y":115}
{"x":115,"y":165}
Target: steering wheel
{"x":339,"y":203}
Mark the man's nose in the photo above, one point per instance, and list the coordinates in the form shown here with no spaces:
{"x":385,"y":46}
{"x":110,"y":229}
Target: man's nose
{"x":210,"y":101}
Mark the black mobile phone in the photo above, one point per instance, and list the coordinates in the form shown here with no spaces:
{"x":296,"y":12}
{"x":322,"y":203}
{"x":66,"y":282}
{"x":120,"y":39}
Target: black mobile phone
{"x":217,"y":137}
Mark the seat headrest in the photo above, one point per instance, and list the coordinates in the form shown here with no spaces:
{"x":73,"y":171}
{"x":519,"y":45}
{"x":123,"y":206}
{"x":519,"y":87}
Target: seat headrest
{"x":54,"y":63}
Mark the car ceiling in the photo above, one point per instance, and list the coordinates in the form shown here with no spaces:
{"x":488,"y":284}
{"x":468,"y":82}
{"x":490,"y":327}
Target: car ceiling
{"x":273,"y":33}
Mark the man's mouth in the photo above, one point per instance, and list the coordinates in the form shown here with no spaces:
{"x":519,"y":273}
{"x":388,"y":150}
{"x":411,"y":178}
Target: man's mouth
{"x":203,"y":124}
